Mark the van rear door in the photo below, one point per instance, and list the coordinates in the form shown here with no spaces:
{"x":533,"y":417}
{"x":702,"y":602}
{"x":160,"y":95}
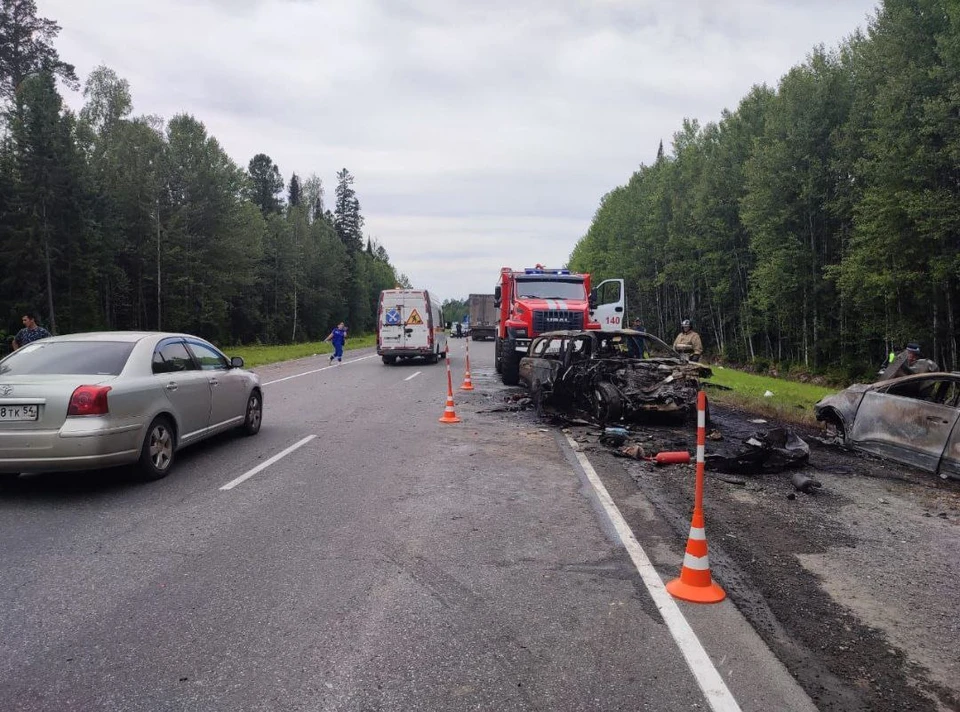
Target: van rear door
{"x":416,"y":318}
{"x":404,"y":321}
{"x":391,"y":321}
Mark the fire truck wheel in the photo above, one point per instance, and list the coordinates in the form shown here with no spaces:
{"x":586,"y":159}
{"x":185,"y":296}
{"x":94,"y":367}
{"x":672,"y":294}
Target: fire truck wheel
{"x":496,"y":356}
{"x":509,"y":364}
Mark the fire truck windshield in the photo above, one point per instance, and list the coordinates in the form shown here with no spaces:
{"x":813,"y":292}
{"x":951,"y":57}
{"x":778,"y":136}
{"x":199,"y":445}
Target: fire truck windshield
{"x":540,"y":288}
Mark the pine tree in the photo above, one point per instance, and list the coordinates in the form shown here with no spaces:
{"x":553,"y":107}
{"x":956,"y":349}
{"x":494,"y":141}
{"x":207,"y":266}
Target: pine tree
{"x":294,"y":195}
{"x":347,"y":218}
{"x":266,"y":184}
{"x":26,"y":47}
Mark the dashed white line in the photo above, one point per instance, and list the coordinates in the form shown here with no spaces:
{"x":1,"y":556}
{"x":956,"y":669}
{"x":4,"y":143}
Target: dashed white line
{"x":317,"y":370}
{"x":263,"y":465}
{"x":410,"y":378}
{"x":714,"y":688}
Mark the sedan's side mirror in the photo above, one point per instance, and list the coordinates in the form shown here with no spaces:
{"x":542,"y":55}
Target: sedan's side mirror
{"x":236,"y":362}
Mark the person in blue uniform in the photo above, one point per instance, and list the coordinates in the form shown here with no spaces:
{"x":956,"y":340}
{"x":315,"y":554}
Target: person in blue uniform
{"x":337,"y":337}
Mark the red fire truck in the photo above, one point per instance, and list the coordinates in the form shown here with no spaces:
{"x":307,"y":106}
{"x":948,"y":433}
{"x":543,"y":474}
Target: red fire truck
{"x":536,"y":300}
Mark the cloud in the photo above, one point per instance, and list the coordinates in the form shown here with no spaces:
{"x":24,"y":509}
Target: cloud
{"x":481,"y":135}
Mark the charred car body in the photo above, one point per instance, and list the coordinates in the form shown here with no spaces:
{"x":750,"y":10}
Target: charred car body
{"x":610,"y":375}
{"x":913,"y":420}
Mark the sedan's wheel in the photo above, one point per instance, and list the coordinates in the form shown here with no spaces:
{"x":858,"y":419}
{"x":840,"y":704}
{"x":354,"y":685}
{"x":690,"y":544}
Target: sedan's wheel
{"x":254,"y":416}
{"x":159,"y":448}
{"x":835,"y":430}
{"x":606,"y":403}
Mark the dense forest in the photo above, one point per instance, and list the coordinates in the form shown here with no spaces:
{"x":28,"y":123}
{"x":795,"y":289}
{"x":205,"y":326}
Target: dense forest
{"x":818,"y":224}
{"x":115,"y":221}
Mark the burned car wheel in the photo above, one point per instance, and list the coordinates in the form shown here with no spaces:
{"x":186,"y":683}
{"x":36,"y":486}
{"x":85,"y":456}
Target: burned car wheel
{"x":834,"y":429}
{"x":606,"y":403}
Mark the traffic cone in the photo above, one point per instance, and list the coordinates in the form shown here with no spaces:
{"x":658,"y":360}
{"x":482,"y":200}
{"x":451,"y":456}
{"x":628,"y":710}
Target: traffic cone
{"x":695,"y":583}
{"x":449,"y":414}
{"x":467,"y":383}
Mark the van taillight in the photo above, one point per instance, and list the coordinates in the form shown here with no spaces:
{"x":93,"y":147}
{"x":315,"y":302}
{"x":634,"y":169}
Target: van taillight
{"x":89,"y":400}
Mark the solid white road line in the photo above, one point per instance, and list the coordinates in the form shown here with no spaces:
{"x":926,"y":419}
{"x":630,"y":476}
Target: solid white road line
{"x":410,"y":378}
{"x":263,"y":465}
{"x":714,"y":688}
{"x":317,"y":370}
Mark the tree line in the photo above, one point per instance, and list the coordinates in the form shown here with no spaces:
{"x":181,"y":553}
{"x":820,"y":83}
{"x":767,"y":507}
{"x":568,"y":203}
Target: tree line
{"x":818,"y":224}
{"x":115,"y":221}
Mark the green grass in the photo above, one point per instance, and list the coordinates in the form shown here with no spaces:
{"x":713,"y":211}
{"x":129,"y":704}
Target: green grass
{"x":791,"y":401}
{"x":259,"y":355}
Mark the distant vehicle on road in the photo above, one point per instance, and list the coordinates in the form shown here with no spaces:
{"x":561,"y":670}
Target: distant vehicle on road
{"x":913,"y":420}
{"x":409,"y":325}
{"x":95,"y":400}
{"x":483,"y":316}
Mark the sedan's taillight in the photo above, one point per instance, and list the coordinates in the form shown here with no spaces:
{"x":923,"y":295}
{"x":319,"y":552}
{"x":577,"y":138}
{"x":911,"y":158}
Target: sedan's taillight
{"x":89,"y":400}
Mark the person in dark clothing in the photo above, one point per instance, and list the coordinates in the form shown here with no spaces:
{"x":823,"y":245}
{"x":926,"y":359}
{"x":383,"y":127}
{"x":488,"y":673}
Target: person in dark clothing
{"x":30,"y":332}
{"x":337,"y":337}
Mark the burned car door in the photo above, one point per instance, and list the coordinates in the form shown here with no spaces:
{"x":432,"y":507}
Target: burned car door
{"x":539,"y":369}
{"x":905,"y":422}
{"x":950,"y":463}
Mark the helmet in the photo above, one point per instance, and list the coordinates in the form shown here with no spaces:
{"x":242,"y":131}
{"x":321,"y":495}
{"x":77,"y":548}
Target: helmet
{"x":685,"y":322}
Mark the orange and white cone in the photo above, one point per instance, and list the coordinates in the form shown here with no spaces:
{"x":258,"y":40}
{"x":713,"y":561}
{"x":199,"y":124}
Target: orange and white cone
{"x":449,"y":414}
{"x":467,"y":383}
{"x":696,"y":583}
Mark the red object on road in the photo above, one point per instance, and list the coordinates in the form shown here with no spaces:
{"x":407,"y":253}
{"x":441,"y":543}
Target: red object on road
{"x":680,"y":457}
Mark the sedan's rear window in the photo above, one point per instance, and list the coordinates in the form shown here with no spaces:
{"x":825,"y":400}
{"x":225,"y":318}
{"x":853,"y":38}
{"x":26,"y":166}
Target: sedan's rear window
{"x":101,"y":358}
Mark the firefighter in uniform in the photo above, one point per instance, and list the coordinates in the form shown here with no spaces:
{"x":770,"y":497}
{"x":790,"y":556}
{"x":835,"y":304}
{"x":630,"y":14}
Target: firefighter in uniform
{"x":688,"y":341}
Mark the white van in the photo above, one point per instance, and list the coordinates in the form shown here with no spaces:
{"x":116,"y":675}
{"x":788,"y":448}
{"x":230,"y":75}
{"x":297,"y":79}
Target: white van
{"x":410,"y":324}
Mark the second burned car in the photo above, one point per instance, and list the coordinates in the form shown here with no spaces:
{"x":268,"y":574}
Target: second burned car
{"x":611,"y":375}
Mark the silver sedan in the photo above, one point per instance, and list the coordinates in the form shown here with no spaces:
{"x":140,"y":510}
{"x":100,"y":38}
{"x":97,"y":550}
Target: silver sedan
{"x":87,"y":401}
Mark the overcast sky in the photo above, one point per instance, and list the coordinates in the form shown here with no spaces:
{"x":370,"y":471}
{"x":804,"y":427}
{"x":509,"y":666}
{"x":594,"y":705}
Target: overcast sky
{"x":482,"y":133}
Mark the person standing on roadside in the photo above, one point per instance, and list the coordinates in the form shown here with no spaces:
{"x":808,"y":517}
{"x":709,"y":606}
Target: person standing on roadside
{"x":688,"y":341}
{"x":338,"y":338}
{"x":30,"y":332}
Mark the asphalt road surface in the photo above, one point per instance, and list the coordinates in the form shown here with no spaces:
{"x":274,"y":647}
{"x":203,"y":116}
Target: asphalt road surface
{"x":383,"y":562}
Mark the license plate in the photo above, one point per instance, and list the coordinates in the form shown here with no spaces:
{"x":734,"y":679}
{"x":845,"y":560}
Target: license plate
{"x":18,"y":412}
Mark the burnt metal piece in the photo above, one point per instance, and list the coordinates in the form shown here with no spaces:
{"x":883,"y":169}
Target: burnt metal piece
{"x":771,"y":451}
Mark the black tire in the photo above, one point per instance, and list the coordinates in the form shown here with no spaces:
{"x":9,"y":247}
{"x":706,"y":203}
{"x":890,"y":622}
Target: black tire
{"x":389,"y":360}
{"x":159,"y":449}
{"x":509,"y":363}
{"x":433,"y":358}
{"x":496,"y":356}
{"x":607,"y":406}
{"x":253,"y":417}
{"x":443,"y":354}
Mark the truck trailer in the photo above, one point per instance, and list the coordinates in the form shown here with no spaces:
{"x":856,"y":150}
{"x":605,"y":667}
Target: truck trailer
{"x":483,"y":316}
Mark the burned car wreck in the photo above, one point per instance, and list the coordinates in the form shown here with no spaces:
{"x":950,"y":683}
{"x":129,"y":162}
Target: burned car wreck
{"x":913,"y":420}
{"x":609,"y":376}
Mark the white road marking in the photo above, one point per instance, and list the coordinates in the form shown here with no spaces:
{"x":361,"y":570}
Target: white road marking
{"x":317,"y":370}
{"x":714,"y":688}
{"x":264,"y":465}
{"x":410,"y":378}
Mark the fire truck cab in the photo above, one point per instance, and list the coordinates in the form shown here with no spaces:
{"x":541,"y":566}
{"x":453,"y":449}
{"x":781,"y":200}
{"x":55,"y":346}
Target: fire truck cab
{"x":536,"y":300}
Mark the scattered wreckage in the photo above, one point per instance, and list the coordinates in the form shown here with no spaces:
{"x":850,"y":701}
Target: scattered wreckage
{"x":610,"y":376}
{"x":913,"y":420}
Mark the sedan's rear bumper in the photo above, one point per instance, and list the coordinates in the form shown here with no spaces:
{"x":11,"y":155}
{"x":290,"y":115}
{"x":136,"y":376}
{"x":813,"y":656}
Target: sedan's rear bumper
{"x":78,"y":449}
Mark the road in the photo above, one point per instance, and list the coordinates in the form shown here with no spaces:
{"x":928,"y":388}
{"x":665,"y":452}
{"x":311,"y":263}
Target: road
{"x":387,"y":562}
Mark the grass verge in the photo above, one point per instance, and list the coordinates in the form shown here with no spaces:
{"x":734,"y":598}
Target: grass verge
{"x":791,"y":401}
{"x":260,"y":355}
